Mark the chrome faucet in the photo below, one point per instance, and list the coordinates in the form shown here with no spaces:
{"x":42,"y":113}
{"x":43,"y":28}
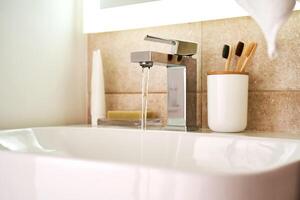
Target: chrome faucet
{"x":182,"y":79}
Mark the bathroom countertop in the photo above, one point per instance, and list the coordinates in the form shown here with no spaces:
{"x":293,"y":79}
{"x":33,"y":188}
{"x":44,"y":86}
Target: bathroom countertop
{"x":272,"y":134}
{"x":285,"y":135}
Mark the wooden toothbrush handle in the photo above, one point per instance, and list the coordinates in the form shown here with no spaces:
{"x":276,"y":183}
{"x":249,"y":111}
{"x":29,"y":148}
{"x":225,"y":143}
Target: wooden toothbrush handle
{"x":227,"y":64}
{"x":240,"y":62}
{"x":243,"y":67}
{"x":248,"y":58}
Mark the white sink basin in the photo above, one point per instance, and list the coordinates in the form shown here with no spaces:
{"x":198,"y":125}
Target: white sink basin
{"x":65,"y":163}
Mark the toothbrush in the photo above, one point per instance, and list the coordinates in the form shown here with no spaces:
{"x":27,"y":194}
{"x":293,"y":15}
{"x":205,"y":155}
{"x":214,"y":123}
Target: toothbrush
{"x":227,"y":54}
{"x":249,"y":54}
{"x":246,"y":51}
{"x":238,"y":52}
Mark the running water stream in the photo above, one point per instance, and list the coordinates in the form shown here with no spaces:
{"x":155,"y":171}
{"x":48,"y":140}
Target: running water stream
{"x":145,"y":91}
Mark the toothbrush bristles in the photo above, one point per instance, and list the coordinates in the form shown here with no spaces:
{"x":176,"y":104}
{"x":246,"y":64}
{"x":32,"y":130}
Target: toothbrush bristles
{"x":239,"y":49}
{"x":225,"y":53}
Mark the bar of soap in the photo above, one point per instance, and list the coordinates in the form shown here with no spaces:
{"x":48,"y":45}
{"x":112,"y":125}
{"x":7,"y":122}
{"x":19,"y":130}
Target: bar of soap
{"x":128,"y":115}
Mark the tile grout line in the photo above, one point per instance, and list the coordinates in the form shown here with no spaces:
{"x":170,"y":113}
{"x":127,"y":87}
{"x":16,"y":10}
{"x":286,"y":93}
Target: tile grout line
{"x":133,"y":93}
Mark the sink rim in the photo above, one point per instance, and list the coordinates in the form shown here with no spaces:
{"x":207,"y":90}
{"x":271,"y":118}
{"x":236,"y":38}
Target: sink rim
{"x":269,"y":169}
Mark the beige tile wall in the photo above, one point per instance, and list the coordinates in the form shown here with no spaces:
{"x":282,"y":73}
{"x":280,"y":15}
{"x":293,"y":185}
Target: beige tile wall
{"x":123,"y":78}
{"x":274,"y":96}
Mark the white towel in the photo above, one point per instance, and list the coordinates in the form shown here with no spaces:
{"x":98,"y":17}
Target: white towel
{"x":270,"y":15}
{"x":98,"y":107}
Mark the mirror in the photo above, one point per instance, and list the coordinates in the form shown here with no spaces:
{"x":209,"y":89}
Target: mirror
{"x":116,"y":3}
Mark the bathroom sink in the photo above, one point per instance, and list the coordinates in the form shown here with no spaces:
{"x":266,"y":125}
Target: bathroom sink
{"x":80,"y":163}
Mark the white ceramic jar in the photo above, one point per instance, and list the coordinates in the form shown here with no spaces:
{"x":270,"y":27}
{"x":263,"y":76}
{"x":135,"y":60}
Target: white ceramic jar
{"x":227,"y":99}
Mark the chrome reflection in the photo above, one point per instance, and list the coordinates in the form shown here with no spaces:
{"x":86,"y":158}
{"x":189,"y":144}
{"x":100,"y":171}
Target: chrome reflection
{"x":23,"y":140}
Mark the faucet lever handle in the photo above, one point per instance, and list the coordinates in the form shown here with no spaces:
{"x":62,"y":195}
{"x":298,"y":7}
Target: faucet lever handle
{"x":160,"y":40}
{"x":179,"y":47}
